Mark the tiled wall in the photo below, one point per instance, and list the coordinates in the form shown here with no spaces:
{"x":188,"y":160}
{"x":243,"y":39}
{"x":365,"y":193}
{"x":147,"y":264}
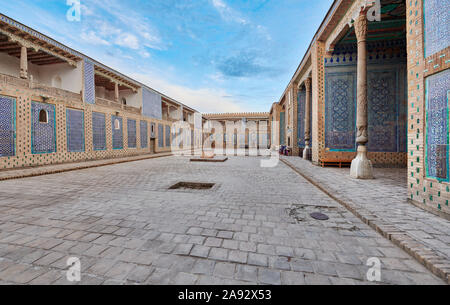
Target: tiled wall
{"x":160,"y":135}
{"x":7,"y":126}
{"x":167,"y":137}
{"x":342,"y":144}
{"x":99,"y":131}
{"x":340,"y":111}
{"x":428,"y":114}
{"x":117,"y":132}
{"x":437,"y":88}
{"x":25,"y":142}
{"x":89,"y":82}
{"x":75,"y":130}
{"x":437,"y":32}
{"x":151,"y":104}
{"x":43,"y":135}
{"x":386,"y":103}
{"x":143,"y":131}
{"x":131,"y":127}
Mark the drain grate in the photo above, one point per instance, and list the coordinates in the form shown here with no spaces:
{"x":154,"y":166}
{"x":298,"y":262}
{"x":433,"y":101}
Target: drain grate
{"x":319,"y":216}
{"x":192,"y":186}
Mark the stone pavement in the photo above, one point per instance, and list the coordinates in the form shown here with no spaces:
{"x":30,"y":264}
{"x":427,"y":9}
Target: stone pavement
{"x":66,"y":167}
{"x":383,"y":204}
{"x":126,"y":227}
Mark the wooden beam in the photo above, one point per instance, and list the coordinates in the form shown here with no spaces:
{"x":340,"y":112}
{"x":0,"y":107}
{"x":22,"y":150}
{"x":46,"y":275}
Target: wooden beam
{"x":9,"y":47}
{"x":47,"y":62}
{"x":40,"y":57}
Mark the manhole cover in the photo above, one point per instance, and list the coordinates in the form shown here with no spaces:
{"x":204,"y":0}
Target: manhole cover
{"x":191,"y":186}
{"x":319,"y":216}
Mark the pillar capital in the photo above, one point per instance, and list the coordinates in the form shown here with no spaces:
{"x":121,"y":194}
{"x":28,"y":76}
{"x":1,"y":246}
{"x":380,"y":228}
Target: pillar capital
{"x":361,"y":27}
{"x":308,"y":83}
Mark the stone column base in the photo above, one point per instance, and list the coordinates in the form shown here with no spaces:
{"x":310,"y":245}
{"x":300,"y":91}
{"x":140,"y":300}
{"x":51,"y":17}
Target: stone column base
{"x":361,"y":165}
{"x":307,"y":153}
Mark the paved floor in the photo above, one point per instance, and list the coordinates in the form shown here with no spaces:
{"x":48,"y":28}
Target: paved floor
{"x":126,"y":227}
{"x":384,"y":197}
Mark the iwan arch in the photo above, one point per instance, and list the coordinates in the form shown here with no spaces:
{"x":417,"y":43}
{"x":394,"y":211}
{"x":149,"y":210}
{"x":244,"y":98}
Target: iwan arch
{"x":375,"y":93}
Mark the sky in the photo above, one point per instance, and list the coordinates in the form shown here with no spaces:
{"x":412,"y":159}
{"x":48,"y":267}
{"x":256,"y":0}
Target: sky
{"x":212,"y":55}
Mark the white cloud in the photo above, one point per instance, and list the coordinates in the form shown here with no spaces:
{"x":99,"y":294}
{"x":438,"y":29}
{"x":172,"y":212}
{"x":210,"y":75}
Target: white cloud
{"x":86,"y":11}
{"x":127,"y":40}
{"x":227,"y":13}
{"x":92,"y":38}
{"x":107,"y":29}
{"x":205,"y":100}
{"x":144,"y":54}
{"x":218,"y":77}
{"x":132,"y":20}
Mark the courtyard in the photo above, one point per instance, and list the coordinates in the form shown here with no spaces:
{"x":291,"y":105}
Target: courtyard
{"x":253,"y":226}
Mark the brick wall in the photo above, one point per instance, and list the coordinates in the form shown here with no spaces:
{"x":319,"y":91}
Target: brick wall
{"x":428,"y":61}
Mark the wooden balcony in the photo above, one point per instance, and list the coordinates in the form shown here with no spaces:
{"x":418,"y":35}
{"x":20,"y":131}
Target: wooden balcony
{"x":41,"y":89}
{"x":115,"y":105}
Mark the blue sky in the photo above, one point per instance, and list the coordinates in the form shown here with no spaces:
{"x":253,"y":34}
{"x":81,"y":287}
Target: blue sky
{"x":213,"y":55}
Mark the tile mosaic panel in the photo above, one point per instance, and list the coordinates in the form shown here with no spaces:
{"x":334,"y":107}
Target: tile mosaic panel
{"x":168,"y":136}
{"x":99,"y":131}
{"x":75,"y":130}
{"x":437,"y":137}
{"x":151,"y":104}
{"x":160,"y":135}
{"x":7,"y":126}
{"x":340,"y":111}
{"x":437,"y":26}
{"x":43,"y":135}
{"x":382,"y":103}
{"x":89,"y":82}
{"x":117,"y":133}
{"x":144,"y":134}
{"x":131,"y":129}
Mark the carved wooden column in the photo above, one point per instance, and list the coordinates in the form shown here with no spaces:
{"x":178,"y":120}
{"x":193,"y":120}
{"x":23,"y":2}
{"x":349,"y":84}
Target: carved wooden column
{"x":361,"y":165}
{"x":24,"y":63}
{"x":116,"y":92}
{"x":307,"y":150}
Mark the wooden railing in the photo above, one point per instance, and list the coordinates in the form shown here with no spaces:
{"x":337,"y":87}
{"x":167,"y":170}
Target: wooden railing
{"x":49,"y":91}
{"x":41,"y":88}
{"x":115,"y":105}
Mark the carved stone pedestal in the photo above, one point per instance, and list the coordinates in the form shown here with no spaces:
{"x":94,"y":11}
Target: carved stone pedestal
{"x":361,"y":165}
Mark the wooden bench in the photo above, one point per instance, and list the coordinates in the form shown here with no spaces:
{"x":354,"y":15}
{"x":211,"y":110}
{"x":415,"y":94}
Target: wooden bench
{"x":335,"y":163}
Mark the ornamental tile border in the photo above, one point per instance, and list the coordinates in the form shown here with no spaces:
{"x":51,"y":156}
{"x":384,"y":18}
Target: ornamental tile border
{"x":68,"y":167}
